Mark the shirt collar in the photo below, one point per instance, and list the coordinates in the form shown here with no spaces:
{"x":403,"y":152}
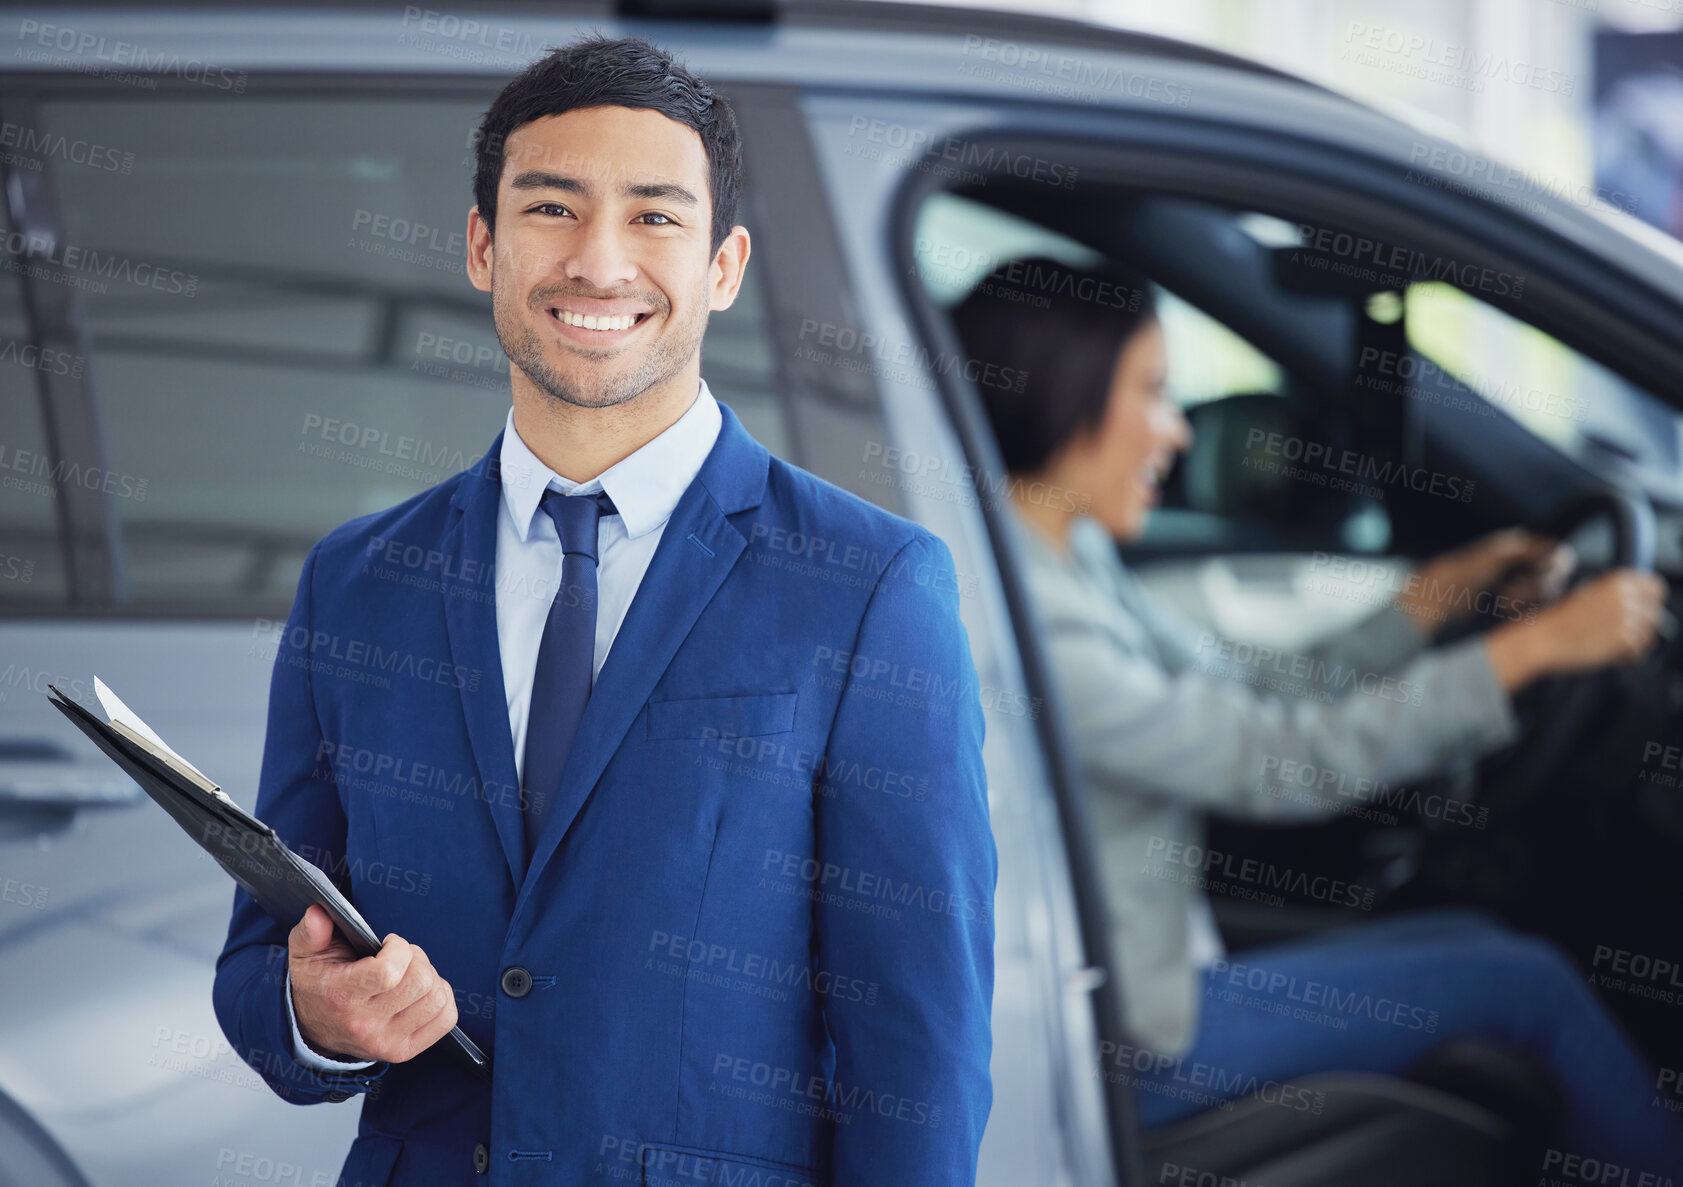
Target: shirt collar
{"x":645,"y":485}
{"x":1032,"y":540}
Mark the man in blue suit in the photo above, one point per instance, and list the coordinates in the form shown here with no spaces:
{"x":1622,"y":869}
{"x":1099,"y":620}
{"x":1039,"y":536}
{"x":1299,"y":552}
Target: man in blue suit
{"x":660,"y":759}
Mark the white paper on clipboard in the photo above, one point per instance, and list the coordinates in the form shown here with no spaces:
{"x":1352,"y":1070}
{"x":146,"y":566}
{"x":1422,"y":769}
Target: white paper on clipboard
{"x":116,"y":711}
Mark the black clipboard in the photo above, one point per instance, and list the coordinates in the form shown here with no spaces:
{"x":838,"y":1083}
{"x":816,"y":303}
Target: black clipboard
{"x":279,"y":880}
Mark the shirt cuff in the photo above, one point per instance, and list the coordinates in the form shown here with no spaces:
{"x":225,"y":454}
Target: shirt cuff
{"x":1473,"y":696}
{"x":301,"y":1050}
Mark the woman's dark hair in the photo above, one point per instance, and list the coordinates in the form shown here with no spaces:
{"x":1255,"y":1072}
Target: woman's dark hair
{"x":1057,"y":331}
{"x":595,"y":71}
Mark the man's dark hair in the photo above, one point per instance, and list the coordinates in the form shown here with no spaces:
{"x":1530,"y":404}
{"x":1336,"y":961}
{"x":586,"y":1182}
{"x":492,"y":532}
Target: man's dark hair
{"x":1060,"y":329}
{"x":595,"y":71}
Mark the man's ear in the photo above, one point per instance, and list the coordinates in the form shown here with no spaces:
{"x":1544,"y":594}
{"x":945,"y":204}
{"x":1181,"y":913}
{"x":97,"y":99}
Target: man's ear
{"x":479,"y":251}
{"x":729,"y":263}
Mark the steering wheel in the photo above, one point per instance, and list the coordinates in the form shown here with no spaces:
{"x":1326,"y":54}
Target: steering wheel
{"x":1555,"y":711}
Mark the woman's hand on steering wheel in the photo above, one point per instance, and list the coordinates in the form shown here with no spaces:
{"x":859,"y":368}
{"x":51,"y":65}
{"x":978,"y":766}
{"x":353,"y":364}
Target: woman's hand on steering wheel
{"x":1568,"y":685}
{"x":1523,"y":566}
{"x":1607,"y":621}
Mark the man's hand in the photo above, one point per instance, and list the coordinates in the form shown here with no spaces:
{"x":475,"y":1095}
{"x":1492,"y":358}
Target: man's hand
{"x":1447,"y":586}
{"x":390,"y":1006}
{"x":1610,"y":620}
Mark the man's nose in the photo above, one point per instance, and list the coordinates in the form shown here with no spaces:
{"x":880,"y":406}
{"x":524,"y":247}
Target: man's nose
{"x":600,"y":255}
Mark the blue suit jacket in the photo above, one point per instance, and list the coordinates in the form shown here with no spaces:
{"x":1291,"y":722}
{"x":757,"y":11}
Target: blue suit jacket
{"x":759,"y":925}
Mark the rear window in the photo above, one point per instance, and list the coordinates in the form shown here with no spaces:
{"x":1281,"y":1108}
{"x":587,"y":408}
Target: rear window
{"x":280,"y":331}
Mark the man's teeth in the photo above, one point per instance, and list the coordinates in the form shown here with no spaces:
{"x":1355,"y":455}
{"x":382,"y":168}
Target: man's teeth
{"x":591,"y":322}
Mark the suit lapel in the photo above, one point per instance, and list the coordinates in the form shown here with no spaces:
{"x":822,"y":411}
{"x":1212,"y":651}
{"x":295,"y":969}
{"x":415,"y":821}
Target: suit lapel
{"x":698,"y":548}
{"x":470,"y":616}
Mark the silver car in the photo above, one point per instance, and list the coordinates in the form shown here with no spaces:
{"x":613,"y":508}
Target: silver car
{"x":234,"y":315}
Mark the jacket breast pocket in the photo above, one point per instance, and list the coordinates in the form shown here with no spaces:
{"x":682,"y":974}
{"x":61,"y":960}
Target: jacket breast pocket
{"x":714,"y":717}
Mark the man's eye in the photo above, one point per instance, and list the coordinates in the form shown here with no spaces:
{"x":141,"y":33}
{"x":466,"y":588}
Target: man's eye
{"x":670,"y":222}
{"x":547,"y":207}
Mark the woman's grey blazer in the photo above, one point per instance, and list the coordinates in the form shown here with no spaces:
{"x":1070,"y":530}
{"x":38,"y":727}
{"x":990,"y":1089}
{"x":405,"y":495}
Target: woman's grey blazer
{"x":1170,"y":723}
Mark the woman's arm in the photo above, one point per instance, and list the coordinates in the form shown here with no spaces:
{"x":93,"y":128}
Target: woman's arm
{"x":1261,"y":745}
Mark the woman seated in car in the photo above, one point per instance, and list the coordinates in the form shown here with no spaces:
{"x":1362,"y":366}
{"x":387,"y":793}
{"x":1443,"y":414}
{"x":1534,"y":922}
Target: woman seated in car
{"x":1165,"y":738}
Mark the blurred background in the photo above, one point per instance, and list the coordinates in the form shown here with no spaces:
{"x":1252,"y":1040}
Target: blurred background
{"x":1581,"y":94}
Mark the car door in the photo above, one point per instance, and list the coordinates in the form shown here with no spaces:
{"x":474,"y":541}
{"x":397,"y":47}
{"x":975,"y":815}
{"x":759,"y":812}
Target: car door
{"x":1439,"y":460}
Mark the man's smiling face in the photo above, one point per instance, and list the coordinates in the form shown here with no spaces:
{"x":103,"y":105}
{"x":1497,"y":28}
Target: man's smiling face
{"x":600,"y":270}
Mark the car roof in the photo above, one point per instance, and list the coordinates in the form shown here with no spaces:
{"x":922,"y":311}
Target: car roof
{"x":847,"y":47}
{"x":887,"y":16}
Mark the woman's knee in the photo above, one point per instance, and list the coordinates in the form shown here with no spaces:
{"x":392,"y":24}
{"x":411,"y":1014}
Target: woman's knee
{"x":1535,"y":962}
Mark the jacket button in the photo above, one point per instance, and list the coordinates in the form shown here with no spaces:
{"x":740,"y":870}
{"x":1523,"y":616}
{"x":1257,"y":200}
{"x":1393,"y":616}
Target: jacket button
{"x":517,"y":982}
{"x":481,"y":1159}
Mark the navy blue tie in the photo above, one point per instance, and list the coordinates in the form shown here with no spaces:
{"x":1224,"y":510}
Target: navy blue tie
{"x":566,"y":656}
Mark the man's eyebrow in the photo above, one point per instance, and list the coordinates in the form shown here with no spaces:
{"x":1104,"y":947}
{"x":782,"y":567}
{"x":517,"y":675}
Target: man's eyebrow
{"x":542,"y":179}
{"x":655,"y":191}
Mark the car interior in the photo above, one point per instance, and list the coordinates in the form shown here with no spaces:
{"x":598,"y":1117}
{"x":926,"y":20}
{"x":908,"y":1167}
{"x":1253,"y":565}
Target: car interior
{"x":1569,"y":833}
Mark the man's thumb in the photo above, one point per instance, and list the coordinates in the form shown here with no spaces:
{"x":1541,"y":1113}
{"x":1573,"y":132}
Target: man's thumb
{"x":313,"y":934}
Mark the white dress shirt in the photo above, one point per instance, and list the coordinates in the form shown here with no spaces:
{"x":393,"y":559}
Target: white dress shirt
{"x":645,"y":487}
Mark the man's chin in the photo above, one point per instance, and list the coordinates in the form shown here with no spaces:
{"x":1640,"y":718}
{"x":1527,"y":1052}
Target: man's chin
{"x":584,"y":395}
{"x":586,"y":385}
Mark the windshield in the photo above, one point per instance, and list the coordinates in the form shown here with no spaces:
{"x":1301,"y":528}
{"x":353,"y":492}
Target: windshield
{"x":1557,"y":393}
